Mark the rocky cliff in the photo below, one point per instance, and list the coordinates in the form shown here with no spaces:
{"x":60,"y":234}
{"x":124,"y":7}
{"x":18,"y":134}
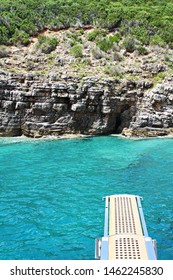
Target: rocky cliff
{"x":154,"y":112}
{"x":41,"y":105}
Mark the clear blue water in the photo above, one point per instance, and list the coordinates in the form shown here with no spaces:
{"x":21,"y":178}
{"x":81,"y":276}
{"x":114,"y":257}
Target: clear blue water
{"x":51,"y":193}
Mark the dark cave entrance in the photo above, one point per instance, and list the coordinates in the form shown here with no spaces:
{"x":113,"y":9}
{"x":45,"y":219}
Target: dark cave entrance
{"x":123,"y":118}
{"x":118,"y":124}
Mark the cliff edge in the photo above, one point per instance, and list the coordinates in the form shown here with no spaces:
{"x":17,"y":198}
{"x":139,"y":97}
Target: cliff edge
{"x":85,"y":85}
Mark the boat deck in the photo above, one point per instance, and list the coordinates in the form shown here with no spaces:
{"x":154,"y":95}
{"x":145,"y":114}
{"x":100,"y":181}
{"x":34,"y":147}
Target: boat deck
{"x":125,"y":231}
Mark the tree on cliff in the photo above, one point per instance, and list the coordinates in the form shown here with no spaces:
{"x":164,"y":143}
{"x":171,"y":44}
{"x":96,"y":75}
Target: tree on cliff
{"x":146,"y":20}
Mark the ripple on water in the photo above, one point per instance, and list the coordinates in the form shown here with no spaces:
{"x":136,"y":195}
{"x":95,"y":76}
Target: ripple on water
{"x":51,"y":193}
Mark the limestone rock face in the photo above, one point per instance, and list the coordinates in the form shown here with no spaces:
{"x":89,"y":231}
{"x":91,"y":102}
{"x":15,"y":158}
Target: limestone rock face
{"x":154,"y":114}
{"x":41,"y":105}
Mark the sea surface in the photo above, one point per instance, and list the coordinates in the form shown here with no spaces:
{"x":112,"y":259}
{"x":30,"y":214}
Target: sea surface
{"x":51,"y":192}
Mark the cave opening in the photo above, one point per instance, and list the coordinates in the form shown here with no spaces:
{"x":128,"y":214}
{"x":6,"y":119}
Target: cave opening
{"x":118,"y":126}
{"x":123,"y":118}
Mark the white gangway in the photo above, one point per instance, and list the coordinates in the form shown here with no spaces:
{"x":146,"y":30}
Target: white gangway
{"x":125,"y":231}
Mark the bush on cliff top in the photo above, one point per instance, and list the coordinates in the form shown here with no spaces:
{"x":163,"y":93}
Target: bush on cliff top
{"x":46,"y":44}
{"x":76,"y":51}
{"x":142,"y":19}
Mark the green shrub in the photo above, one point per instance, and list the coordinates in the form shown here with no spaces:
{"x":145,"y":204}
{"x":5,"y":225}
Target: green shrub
{"x":114,"y":14}
{"x":76,"y":51}
{"x":75,"y":37}
{"x":115,"y":38}
{"x":81,"y":31}
{"x":33,"y":16}
{"x":75,"y":42}
{"x":96,"y":34}
{"x":129,"y":44}
{"x":169,"y":57}
{"x":20,"y":38}
{"x":166,"y":31}
{"x":4,"y":52}
{"x":105,"y":44}
{"x":159,"y":77}
{"x":117,"y":56}
{"x":170,"y":45}
{"x":169,"y":60}
{"x":46,"y":44}
{"x":4,"y":37}
{"x":113,"y":70}
{"x":142,"y":50}
{"x":140,"y":32}
{"x":108,"y":42}
{"x":157,"y":40}
{"x":97,"y":53}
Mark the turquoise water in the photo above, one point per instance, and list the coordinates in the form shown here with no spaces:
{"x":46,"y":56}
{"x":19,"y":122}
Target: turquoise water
{"x":51,"y":193}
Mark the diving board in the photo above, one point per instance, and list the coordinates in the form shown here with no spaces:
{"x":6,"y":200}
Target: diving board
{"x":125,"y":231}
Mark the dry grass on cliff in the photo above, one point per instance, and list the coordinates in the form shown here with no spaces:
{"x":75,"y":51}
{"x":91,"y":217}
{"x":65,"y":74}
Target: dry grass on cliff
{"x":90,"y":56}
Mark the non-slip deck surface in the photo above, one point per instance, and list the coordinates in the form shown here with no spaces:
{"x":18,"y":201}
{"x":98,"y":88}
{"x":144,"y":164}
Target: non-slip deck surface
{"x":126,"y":240}
{"x":124,"y":217}
{"x":127,"y":247}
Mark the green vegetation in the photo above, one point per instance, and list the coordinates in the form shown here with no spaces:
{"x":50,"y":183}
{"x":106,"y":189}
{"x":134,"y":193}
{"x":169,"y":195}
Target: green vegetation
{"x":129,"y":44}
{"x":107,"y":43}
{"x":75,"y":37}
{"x":159,"y":77}
{"x":114,"y":71}
{"x":95,"y":34}
{"x":20,"y":37}
{"x":156,"y":40}
{"x":3,"y":51}
{"x":169,"y":60}
{"x":148,"y":21}
{"x":76,"y":51}
{"x":46,"y":44}
{"x":97,"y":53}
{"x":142,"y":50}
